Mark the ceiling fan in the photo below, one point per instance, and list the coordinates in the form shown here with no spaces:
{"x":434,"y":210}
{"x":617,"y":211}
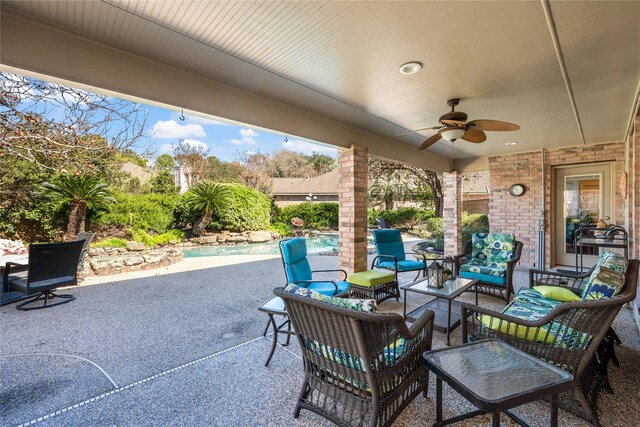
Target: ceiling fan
{"x":455,"y":125}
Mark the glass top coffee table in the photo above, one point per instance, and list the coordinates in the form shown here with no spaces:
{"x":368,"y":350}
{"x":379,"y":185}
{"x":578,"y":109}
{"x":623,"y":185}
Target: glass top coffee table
{"x":495,"y":377}
{"x":445,"y":320}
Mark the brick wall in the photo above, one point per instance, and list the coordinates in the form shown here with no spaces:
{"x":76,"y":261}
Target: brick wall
{"x":353,"y":167}
{"x":522,"y":215}
{"x":633,"y":190}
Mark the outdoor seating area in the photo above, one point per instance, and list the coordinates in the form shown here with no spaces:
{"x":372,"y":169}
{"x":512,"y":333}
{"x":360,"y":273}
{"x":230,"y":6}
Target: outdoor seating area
{"x":119,"y":382}
{"x":306,"y":214}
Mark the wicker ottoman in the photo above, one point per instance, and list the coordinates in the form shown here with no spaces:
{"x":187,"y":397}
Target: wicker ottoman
{"x":373,"y":284}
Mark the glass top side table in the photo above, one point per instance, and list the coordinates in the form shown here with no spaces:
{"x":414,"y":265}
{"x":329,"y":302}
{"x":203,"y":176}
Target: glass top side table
{"x":495,"y":377}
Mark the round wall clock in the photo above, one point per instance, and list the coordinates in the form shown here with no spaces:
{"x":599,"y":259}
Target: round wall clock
{"x":516,"y":190}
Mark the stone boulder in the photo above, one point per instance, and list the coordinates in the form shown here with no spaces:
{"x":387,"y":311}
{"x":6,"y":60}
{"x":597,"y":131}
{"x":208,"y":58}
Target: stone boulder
{"x":135,"y":246}
{"x":133,"y":260}
{"x":206,"y":240}
{"x":236,"y":239}
{"x":259,"y":236}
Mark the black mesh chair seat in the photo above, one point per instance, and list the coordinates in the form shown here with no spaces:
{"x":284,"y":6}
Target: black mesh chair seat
{"x":51,"y":265}
{"x":42,"y":285}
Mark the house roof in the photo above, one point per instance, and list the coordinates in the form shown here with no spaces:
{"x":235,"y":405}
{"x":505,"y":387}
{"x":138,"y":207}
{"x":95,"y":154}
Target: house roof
{"x":321,"y":184}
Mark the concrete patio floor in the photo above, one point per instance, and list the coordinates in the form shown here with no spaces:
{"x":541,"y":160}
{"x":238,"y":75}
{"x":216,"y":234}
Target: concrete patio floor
{"x":184,"y":346}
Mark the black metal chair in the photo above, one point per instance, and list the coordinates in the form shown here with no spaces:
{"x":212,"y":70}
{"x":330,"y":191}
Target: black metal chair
{"x":86,"y":238}
{"x":51,"y":265}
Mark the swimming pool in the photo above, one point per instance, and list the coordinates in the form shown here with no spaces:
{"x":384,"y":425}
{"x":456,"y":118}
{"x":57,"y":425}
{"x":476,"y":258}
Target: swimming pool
{"x":315,"y":244}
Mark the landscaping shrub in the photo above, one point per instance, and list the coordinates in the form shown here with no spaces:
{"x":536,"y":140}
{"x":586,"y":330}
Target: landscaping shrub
{"x":317,"y":215}
{"x":159,"y":239}
{"x":246,"y":209}
{"x":148,"y":212}
{"x":473,"y":223}
{"x":112,"y":242}
{"x":406,"y":218}
{"x":281,"y":228}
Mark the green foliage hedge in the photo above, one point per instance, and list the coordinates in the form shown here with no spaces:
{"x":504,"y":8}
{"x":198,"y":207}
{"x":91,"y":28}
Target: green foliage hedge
{"x":111,"y":242}
{"x":159,"y":239}
{"x":148,"y":212}
{"x":433,"y":229}
{"x":318,"y":215}
{"x":246,"y":209}
{"x":400,"y":218}
{"x":281,"y":228}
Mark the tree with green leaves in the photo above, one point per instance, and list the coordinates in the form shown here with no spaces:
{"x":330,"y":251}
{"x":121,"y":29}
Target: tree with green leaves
{"x":322,"y":163}
{"x":207,"y":197}
{"x":78,"y":193}
{"x":163,"y":182}
{"x":389,"y":188}
{"x":219,"y":171}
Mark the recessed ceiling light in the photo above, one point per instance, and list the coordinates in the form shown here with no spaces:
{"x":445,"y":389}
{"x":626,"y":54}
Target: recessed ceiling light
{"x":410,"y":68}
{"x":511,"y":143}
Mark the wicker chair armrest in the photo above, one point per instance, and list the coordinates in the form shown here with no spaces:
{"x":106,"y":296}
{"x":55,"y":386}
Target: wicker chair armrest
{"x":416,"y":327}
{"x":332,"y":271}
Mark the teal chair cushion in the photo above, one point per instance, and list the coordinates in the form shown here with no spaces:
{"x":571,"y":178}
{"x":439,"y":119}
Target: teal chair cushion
{"x":294,"y":256}
{"x":489,"y":271}
{"x":388,"y":242}
{"x":485,"y":278}
{"x":405,"y":265}
{"x":327,"y":288}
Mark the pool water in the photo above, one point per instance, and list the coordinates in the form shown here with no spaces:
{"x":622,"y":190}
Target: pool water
{"x":315,"y":244}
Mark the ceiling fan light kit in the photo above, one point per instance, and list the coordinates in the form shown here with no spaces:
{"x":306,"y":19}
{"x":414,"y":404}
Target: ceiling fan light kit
{"x":454,"y":126}
{"x":453,"y":133}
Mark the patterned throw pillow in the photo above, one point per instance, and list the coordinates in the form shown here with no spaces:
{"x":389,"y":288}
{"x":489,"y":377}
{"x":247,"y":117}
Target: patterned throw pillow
{"x":492,"y":250}
{"x":616,"y":266}
{"x":365,"y":305}
{"x":615,"y":262}
{"x":607,"y":283}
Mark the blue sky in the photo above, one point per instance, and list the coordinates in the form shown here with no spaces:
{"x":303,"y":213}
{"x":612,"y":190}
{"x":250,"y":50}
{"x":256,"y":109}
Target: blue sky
{"x":223,"y":140}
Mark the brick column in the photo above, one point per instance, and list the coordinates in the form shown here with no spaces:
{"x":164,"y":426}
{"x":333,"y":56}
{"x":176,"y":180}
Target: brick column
{"x":353,"y":169}
{"x":452,"y":212}
{"x":633,"y":190}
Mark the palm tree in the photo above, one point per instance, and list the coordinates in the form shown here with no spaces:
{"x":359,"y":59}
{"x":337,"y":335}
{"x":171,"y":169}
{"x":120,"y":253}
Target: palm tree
{"x":388,"y":188}
{"x":207,"y":197}
{"x":79,"y":192}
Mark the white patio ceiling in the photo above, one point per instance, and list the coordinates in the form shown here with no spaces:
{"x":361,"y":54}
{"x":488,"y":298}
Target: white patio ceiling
{"x":341,"y":59}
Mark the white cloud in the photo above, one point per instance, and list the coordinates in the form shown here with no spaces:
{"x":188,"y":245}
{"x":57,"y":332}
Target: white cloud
{"x":171,"y":129}
{"x":248,"y":133}
{"x":196,"y":143}
{"x":168,"y":148}
{"x":305,"y":147}
{"x":244,"y":140}
{"x":250,"y":152}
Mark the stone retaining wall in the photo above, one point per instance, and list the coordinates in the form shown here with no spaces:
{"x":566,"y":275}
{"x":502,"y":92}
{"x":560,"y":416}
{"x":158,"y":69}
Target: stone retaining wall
{"x":105,"y":261}
{"x":230,"y":238}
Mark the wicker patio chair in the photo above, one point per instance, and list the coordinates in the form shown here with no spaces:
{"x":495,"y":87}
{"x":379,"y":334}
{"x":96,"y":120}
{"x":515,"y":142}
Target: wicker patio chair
{"x":500,"y":286}
{"x":360,"y":368}
{"x":51,"y":265}
{"x":581,"y":342}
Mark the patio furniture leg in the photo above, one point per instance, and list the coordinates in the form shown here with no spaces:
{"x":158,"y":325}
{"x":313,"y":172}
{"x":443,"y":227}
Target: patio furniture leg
{"x":266,"y":328}
{"x":438,"y":400}
{"x":495,"y":419}
{"x":554,"y":410}
{"x":449,"y":321}
{"x":286,"y":343}
{"x":275,"y":339}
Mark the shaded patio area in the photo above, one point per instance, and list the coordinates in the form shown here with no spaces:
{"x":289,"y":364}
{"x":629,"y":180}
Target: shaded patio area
{"x":184,"y":347}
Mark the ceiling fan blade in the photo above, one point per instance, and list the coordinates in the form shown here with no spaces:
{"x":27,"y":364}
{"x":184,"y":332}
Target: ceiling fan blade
{"x":474,"y":135}
{"x":429,"y":142}
{"x":454,"y":122}
{"x":493,"y":125}
{"x":418,"y":130}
